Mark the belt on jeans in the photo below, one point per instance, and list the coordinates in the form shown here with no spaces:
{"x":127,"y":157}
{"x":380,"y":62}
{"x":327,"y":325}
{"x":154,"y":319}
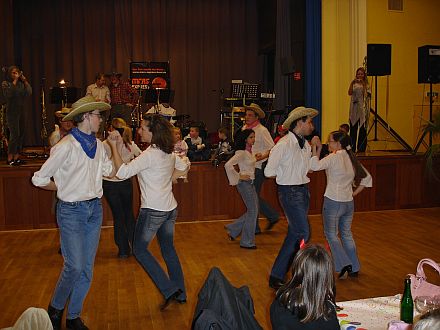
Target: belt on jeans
{"x":300,"y":185}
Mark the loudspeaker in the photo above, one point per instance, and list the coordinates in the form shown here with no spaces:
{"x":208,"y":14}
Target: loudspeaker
{"x":287,"y":65}
{"x":429,"y":64}
{"x":378,"y":59}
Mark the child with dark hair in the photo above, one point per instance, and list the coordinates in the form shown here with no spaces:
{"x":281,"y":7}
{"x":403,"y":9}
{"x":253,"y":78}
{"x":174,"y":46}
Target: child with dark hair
{"x":307,"y":300}
{"x":244,"y":180}
{"x":343,"y":172}
{"x":198,"y":148}
{"x":224,"y":149}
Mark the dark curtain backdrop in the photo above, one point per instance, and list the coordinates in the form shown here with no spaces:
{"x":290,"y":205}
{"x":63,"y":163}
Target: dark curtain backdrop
{"x":208,"y":43}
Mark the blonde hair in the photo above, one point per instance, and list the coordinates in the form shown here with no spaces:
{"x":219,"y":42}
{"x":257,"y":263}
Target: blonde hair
{"x":127,"y":135}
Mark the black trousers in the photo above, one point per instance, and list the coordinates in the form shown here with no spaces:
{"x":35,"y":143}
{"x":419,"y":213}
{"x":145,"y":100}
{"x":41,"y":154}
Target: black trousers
{"x":119,"y":196}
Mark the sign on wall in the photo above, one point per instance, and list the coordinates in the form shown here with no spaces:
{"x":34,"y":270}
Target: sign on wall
{"x":150,"y":75}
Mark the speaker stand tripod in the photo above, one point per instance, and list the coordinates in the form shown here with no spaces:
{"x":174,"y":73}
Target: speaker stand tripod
{"x":422,"y":138}
{"x":384,"y":124}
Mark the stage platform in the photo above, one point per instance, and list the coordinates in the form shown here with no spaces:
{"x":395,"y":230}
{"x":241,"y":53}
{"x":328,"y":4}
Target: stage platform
{"x":399,"y":180}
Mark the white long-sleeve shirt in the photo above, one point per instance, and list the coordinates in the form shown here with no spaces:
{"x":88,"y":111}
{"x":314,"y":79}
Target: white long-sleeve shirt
{"x":263,"y":143}
{"x":288,"y":162}
{"x":340,"y":175}
{"x":154,"y":169}
{"x":77,"y":177}
{"x":245,"y":161}
{"x":126,"y":154}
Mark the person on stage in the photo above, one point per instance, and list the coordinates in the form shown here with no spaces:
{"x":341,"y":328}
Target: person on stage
{"x":343,"y":172}
{"x":360,"y":94}
{"x":165,"y":110}
{"x":123,"y":97}
{"x":244,"y":181}
{"x":263,"y":145}
{"x":289,"y":162}
{"x":77,"y":164}
{"x":15,"y":90}
{"x":119,"y":193}
{"x":158,"y":213}
{"x":62,"y":128}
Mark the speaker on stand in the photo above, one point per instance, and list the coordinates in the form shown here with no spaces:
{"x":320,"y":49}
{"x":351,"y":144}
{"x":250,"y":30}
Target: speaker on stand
{"x":428,"y":73}
{"x":379,"y":64}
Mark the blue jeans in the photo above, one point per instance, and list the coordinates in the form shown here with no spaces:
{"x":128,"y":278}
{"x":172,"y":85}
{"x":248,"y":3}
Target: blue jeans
{"x":295,"y":203}
{"x":268,"y":211}
{"x":80,"y":226}
{"x":151,"y":222}
{"x":119,"y":196}
{"x":246,"y":223}
{"x":338,"y":217}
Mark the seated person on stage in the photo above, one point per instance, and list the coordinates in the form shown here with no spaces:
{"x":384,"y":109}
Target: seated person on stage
{"x":224,"y":149}
{"x":307,"y":301}
{"x":165,"y":110}
{"x":62,"y":128}
{"x":198,"y":149}
{"x":344,"y":128}
{"x":181,"y":150}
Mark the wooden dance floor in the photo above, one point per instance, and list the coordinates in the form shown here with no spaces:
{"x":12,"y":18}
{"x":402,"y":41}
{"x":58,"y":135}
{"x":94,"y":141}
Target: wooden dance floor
{"x":122,"y":296}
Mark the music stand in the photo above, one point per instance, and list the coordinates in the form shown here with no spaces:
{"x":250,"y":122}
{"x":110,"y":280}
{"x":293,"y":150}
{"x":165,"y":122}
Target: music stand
{"x":244,"y":90}
{"x":63,"y":95}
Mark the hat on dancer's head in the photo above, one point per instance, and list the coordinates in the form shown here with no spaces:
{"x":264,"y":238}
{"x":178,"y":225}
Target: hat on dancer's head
{"x":86,"y":104}
{"x":298,"y":113}
{"x":63,"y":112}
{"x":255,"y":108}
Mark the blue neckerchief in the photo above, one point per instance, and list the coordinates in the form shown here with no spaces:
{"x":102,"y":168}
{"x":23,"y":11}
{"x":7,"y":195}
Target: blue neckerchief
{"x":88,"y":142}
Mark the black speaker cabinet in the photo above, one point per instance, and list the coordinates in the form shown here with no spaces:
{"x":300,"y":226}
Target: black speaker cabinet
{"x":379,"y":59}
{"x":429,"y":64}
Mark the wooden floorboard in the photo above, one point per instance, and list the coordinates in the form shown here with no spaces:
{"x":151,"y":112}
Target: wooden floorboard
{"x":390,"y":243}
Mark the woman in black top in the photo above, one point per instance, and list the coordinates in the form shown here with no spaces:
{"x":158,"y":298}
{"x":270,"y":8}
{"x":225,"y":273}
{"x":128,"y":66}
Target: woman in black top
{"x":307,"y":301}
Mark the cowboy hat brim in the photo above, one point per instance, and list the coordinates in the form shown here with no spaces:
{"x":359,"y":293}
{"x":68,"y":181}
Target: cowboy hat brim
{"x":86,"y":104}
{"x":298,"y":113}
{"x":256,"y":108}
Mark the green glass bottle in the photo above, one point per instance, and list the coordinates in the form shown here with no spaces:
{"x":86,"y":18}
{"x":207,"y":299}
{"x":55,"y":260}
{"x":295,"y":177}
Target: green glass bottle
{"x":407,"y":304}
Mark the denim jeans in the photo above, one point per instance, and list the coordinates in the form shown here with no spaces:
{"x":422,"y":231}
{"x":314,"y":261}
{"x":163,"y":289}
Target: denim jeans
{"x":246,"y":223}
{"x":338,"y":217}
{"x":119,"y":196}
{"x":80,"y":226}
{"x":268,"y":211}
{"x":295,"y":202}
{"x":151,"y":222}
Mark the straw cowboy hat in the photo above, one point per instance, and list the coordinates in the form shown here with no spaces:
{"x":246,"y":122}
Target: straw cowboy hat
{"x":86,"y":104}
{"x":63,"y":112}
{"x":297,"y":113}
{"x":256,"y":108}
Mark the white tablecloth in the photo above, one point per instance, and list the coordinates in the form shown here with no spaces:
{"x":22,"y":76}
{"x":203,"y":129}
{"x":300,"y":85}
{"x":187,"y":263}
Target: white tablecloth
{"x":370,"y":313}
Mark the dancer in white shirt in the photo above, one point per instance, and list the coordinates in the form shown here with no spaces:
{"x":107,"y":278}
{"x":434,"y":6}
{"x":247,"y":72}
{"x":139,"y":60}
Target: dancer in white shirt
{"x":244,"y":180}
{"x":77,"y":164}
{"x":157,"y":216}
{"x":343,"y":171}
{"x":289,"y":162}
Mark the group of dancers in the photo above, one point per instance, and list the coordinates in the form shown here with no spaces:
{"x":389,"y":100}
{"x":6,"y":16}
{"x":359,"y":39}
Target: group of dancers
{"x":81,"y":169}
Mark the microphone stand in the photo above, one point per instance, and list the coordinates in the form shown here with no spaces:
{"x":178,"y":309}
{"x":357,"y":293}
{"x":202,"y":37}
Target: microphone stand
{"x":43,"y":133}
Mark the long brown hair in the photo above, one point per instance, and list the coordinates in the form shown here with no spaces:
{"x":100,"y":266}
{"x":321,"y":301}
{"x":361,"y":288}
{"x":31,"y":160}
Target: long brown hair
{"x":345,"y":141}
{"x":162,"y":131}
{"x":126,"y":135}
{"x":311,"y":290}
